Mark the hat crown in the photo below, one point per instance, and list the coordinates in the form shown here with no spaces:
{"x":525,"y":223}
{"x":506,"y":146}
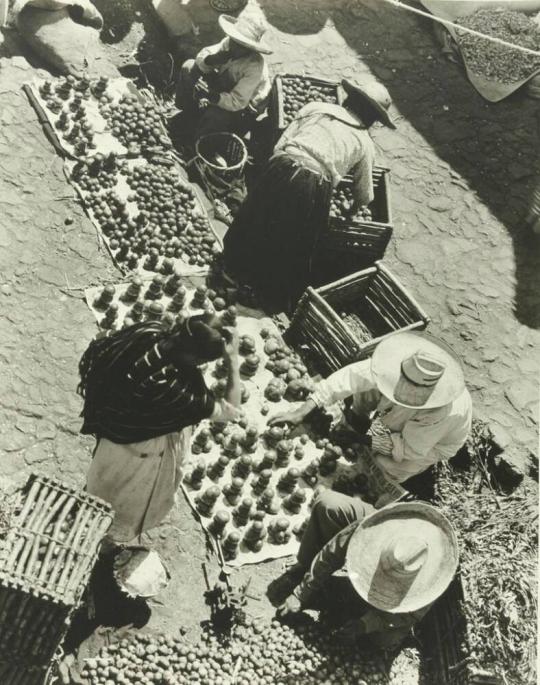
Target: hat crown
{"x":378,"y":92}
{"x":422,"y":369}
{"x":405,"y":555}
{"x":250,"y":28}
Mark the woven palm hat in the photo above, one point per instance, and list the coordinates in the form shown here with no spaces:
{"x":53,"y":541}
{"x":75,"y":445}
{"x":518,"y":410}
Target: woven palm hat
{"x":140,"y":572}
{"x":402,"y":557}
{"x":417,"y":371}
{"x":375,"y":93}
{"x":245,"y":31}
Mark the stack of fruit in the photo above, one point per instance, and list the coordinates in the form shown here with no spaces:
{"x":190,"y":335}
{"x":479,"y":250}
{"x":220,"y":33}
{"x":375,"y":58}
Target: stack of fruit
{"x":256,"y":654}
{"x":342,"y":204}
{"x":299,"y":90}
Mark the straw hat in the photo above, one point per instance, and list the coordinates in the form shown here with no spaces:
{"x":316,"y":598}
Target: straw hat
{"x":415,"y":371}
{"x":375,"y":93}
{"x":402,"y":557}
{"x":140,"y":572}
{"x":244,"y":31}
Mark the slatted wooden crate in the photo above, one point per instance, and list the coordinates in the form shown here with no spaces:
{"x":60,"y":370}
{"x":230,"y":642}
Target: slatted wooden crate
{"x":380,"y":207}
{"x":278,"y":97}
{"x":446,"y":651}
{"x":350,"y":245}
{"x":344,"y":321}
{"x":53,"y":541}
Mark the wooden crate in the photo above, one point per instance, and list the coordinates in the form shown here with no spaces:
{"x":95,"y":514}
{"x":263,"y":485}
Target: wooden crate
{"x":278,"y":98}
{"x":374,"y":296}
{"x":381,"y":209}
{"x":445,"y":643}
{"x":53,"y":542}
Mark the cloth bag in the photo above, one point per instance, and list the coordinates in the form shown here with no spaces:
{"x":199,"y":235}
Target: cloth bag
{"x":65,"y":35}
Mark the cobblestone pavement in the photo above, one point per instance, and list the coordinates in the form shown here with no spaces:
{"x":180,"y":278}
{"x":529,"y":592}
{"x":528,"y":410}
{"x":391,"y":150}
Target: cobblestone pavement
{"x":461,"y":170}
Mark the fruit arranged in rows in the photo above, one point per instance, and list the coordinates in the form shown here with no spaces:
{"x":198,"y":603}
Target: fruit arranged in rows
{"x":164,"y":298}
{"x":136,"y":123}
{"x":256,"y":654}
{"x":166,"y":223}
{"x":299,"y":91}
{"x":66,"y":98}
{"x":341,"y":206}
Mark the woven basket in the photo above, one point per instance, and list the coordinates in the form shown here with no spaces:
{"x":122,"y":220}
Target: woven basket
{"x":229,"y":147}
{"x":445,"y":641}
{"x":53,"y":542}
{"x":374,"y":296}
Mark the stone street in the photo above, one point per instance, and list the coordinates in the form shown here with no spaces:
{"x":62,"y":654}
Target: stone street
{"x":462,"y":172}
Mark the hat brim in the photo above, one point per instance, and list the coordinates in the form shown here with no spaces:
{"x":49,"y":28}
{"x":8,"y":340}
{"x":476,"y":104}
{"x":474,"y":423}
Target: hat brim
{"x":228,"y":25}
{"x":353,"y":89}
{"x":396,"y":593}
{"x":386,"y":368}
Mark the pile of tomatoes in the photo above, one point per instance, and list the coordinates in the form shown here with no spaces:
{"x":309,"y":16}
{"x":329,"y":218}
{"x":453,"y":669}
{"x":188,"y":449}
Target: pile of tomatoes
{"x":298,"y":91}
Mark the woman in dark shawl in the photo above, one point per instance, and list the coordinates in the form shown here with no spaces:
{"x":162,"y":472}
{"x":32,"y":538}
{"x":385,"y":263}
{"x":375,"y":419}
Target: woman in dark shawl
{"x":143,"y":392}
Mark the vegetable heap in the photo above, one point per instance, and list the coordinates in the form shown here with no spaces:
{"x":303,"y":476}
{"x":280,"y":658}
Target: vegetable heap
{"x":341,"y":206}
{"x":136,"y":123}
{"x":298,"y":91}
{"x":494,"y":61}
{"x":256,"y":654}
{"x":165,"y":223}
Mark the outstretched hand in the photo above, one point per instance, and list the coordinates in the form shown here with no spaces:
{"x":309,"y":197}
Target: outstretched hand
{"x":285,"y":417}
{"x":290,"y":606}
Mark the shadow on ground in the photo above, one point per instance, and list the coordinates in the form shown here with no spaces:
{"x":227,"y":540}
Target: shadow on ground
{"x":493,"y":146}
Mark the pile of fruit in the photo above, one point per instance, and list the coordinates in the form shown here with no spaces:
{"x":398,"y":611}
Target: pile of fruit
{"x":165,"y":298}
{"x":492,"y":60}
{"x":255,"y":654}
{"x":136,"y":123}
{"x":342,"y":203}
{"x":299,"y":90}
{"x":291,"y":379}
{"x":166,"y":221}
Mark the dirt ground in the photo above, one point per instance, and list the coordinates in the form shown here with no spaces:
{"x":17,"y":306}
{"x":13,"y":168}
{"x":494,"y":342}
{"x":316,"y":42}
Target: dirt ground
{"x":462,"y":173}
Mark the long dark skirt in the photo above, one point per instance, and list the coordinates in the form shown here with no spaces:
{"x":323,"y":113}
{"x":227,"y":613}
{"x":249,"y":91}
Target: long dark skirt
{"x":270,"y":243}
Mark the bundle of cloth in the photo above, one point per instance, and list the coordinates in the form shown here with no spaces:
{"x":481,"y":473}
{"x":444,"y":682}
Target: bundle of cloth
{"x":65,"y":34}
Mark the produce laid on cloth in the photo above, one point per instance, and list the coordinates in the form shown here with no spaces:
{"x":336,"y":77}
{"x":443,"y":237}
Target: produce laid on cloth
{"x":253,"y":485}
{"x":255,"y":654}
{"x":498,"y":538}
{"x":101,"y":115}
{"x":166,"y":297}
{"x":299,"y":90}
{"x":147,"y":212}
{"x":494,"y":61}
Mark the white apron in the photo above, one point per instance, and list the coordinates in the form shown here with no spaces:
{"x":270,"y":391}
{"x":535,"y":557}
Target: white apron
{"x":139,"y":480}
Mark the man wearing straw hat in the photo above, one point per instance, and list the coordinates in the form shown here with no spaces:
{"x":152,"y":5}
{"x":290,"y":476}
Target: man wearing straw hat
{"x":415,"y":387}
{"x":398,"y":559}
{"x":228,"y":81}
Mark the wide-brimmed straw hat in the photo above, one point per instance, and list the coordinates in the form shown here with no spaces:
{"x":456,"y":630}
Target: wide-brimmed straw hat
{"x":402,"y":557}
{"x":375,"y":93}
{"x":245,"y":31}
{"x":140,"y":572}
{"x":417,"y":371}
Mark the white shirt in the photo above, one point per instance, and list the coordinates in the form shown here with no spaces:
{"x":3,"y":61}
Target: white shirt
{"x":420,"y":437}
{"x":247,"y":77}
{"x":338,"y":140}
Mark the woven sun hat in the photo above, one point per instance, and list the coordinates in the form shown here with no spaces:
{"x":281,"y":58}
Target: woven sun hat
{"x":402,"y":557}
{"x":245,"y":31}
{"x":417,"y":371}
{"x":139,"y":572}
{"x":375,"y":93}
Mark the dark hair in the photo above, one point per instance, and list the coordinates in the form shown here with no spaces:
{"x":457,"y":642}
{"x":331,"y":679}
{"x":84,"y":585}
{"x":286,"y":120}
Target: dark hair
{"x":199,"y":336}
{"x":361,"y":107}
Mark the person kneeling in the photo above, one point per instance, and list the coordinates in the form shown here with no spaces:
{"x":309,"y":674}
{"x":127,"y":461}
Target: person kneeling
{"x":399,"y":560}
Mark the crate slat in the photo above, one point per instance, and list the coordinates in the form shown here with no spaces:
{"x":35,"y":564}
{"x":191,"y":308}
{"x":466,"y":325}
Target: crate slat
{"x":374,"y":295}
